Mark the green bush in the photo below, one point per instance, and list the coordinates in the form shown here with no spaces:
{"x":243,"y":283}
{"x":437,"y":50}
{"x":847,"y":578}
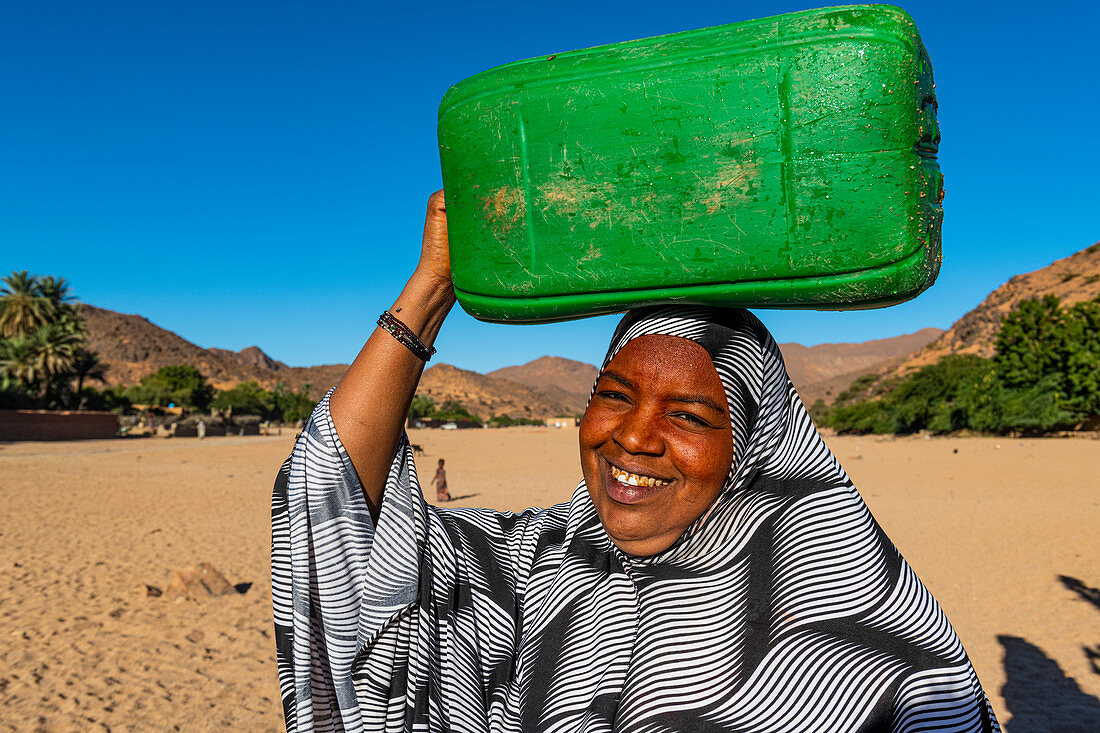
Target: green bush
{"x":290,"y":406}
{"x":178,"y":384}
{"x":421,"y":407}
{"x":504,"y":421}
{"x":1045,"y":376}
{"x":247,"y":398}
{"x":1042,"y":342}
{"x":451,"y":410}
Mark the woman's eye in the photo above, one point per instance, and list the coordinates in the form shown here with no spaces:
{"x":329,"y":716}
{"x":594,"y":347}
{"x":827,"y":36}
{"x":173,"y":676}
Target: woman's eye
{"x":693,"y":419}
{"x":611,"y":395}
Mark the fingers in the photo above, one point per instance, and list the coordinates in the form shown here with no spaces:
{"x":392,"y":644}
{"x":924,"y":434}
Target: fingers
{"x":434,"y":253}
{"x":436,"y":202}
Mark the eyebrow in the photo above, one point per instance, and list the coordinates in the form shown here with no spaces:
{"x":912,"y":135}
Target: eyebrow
{"x":686,"y":398}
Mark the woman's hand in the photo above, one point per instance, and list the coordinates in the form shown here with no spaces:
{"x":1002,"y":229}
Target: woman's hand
{"x":435,"y":255}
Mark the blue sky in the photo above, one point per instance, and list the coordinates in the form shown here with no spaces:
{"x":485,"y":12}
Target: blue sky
{"x":255,"y":173}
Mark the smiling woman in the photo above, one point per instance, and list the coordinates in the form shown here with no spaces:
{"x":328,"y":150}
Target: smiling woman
{"x":656,"y":444}
{"x":714,"y":571}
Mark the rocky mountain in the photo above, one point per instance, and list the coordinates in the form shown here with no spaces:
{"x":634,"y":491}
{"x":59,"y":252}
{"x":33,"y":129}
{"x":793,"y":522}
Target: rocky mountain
{"x":564,"y":381}
{"x":252,"y":356}
{"x":1073,"y":279}
{"x":485,"y":395}
{"x":132,"y":347}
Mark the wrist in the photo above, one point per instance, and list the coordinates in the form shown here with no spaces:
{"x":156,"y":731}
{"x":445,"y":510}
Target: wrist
{"x":433,"y":288}
{"x":423,"y":304}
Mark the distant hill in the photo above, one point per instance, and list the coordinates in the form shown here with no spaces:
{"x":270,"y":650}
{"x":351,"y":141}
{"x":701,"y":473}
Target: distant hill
{"x":819,"y":372}
{"x":132,"y":347}
{"x":485,"y":395}
{"x":252,"y":356}
{"x":564,"y":381}
{"x":1073,"y":279}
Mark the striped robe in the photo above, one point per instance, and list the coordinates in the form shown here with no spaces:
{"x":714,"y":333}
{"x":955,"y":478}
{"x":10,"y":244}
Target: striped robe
{"x":783,"y":608}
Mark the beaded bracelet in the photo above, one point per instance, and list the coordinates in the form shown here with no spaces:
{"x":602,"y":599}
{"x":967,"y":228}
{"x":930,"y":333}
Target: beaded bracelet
{"x":404,"y":334}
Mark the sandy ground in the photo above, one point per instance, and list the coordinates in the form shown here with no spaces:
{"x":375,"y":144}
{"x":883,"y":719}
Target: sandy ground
{"x":1005,"y":532}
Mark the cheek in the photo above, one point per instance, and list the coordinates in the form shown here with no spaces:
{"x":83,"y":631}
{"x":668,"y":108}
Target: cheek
{"x":590,"y":437}
{"x":706,"y":462}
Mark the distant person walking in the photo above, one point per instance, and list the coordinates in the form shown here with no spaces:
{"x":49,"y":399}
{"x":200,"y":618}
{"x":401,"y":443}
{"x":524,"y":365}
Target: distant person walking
{"x":440,"y":481}
{"x":201,"y":428}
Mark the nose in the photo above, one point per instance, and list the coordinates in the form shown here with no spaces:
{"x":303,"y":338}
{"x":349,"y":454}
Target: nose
{"x":637,"y":433}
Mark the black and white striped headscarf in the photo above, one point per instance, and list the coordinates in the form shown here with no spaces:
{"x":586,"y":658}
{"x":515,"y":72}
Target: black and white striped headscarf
{"x":784,"y":608}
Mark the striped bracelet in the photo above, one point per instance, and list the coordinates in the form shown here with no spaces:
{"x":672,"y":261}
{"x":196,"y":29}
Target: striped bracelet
{"x":404,"y":334}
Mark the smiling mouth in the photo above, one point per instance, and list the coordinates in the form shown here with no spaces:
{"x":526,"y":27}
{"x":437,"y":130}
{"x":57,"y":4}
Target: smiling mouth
{"x":625,"y":487}
{"x":637,"y":480}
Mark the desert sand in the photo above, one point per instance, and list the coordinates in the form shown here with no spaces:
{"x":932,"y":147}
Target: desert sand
{"x":1005,"y":532}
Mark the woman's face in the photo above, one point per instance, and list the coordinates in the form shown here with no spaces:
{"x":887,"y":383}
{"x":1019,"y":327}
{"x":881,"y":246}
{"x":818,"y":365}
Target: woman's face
{"x":656,"y":444}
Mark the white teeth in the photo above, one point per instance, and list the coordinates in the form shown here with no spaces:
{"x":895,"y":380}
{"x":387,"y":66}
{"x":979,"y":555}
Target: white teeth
{"x":633,"y":479}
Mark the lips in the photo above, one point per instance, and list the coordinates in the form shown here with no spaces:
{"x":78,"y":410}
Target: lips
{"x":629,"y":487}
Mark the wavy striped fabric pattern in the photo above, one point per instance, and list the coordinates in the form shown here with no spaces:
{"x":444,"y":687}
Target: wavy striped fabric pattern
{"x":783,"y":608}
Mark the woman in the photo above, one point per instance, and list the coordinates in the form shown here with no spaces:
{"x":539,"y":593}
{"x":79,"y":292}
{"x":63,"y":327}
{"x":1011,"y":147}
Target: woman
{"x":714,"y":571}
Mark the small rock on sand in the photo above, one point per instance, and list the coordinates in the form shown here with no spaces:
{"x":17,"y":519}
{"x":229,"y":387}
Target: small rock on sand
{"x":197,"y":583}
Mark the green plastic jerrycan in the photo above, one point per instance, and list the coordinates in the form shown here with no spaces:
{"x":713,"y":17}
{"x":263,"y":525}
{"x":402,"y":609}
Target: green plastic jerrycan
{"x":787,"y":162}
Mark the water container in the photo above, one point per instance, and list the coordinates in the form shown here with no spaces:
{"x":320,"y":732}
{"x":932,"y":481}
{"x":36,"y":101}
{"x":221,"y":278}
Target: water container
{"x":787,"y":162}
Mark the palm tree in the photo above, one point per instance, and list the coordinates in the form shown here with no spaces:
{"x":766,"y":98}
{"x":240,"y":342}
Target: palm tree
{"x":87,"y":365}
{"x":18,"y":362}
{"x":55,"y":346}
{"x":22,"y":306}
{"x":58,"y":293}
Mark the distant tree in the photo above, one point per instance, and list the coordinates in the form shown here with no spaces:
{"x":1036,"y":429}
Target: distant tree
{"x":1030,"y":343}
{"x":247,"y":398}
{"x":1040,"y":342}
{"x":19,"y":365}
{"x":60,"y":300}
{"x":86,"y":365}
{"x":421,"y":406}
{"x":42,"y":340}
{"x":181,"y":384}
{"x":22,"y":306}
{"x":453,"y":410}
{"x":55,"y":345}
{"x":291,"y":406}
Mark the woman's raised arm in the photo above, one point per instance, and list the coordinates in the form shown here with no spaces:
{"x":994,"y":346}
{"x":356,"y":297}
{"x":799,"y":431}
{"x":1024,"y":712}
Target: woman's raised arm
{"x":370,"y":405}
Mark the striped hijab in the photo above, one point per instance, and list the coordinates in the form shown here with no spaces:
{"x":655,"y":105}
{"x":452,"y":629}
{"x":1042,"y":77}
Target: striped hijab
{"x":783,"y":608}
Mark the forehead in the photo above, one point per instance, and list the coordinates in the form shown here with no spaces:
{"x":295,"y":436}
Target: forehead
{"x":668,"y":364}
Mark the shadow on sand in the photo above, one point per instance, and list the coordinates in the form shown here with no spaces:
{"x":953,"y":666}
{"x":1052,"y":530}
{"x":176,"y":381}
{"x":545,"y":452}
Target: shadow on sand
{"x":456,"y":498}
{"x":1087,"y":593}
{"x":1038,"y":695}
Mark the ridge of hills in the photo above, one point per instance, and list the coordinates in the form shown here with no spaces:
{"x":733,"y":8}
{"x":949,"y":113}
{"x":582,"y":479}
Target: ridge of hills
{"x":132,"y":347}
{"x":820,"y":371}
{"x":565,"y":380}
{"x":1073,"y":279}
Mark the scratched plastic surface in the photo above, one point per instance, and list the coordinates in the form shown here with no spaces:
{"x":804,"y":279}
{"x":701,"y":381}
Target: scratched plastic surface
{"x":787,"y":162}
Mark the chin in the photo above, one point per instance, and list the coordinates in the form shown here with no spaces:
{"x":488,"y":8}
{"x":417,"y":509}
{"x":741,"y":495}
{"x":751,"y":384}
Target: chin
{"x":634,"y":540}
{"x":643,"y":547}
